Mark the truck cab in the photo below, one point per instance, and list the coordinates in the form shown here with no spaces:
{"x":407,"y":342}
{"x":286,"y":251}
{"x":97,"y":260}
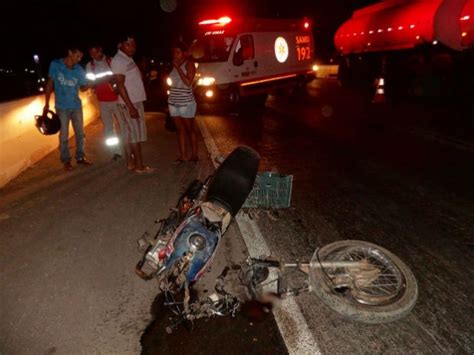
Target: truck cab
{"x":236,"y":58}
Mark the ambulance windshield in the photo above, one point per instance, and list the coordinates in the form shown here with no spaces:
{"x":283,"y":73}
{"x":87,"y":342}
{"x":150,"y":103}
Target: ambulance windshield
{"x":212,"y":48}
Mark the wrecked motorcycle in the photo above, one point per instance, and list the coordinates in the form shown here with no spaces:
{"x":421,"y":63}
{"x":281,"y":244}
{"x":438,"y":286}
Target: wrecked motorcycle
{"x":360,"y":280}
{"x":185,"y":244}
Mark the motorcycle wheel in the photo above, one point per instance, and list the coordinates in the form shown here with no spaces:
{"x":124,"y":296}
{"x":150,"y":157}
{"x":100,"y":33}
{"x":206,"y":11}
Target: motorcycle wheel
{"x":384,"y":296}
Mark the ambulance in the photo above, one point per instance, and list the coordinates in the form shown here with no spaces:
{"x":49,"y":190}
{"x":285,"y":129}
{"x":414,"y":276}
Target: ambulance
{"x":241,"y":57}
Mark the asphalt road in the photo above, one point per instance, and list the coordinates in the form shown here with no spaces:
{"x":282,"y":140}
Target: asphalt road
{"x":69,"y":249}
{"x":394,"y":175}
{"x":385,"y":174}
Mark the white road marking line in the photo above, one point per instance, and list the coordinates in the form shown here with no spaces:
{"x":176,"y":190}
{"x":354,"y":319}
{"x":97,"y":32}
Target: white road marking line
{"x":293,"y":327}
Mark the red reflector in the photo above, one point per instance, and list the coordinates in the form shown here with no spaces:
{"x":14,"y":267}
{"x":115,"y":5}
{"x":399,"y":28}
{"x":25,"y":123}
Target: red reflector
{"x":162,"y":254}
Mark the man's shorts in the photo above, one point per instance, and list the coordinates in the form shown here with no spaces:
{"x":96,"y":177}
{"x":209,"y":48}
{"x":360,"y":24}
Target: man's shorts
{"x":185,"y":111}
{"x":133,"y":129}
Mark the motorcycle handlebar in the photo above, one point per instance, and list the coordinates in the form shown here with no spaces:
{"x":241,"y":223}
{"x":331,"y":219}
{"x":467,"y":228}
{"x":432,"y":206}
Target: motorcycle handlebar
{"x":266,"y":262}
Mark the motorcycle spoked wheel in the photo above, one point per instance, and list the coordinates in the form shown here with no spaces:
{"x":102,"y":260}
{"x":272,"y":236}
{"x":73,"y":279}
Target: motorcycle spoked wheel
{"x":383,"y":297}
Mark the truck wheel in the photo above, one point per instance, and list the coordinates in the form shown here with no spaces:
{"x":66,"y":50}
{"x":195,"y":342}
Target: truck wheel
{"x":343,"y":74}
{"x":234,"y":96}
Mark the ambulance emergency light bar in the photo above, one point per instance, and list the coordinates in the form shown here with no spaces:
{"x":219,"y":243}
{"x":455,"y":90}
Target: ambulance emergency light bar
{"x":225,"y":20}
{"x":220,"y":21}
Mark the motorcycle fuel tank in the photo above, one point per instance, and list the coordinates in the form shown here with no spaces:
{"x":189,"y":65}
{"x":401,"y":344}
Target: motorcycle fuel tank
{"x":196,"y":239}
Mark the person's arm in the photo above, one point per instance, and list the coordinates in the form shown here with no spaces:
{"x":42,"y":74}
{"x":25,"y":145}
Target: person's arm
{"x":49,"y":86}
{"x":87,"y":80}
{"x":47,"y":93}
{"x":93,"y":80}
{"x":119,"y":68}
{"x":89,"y":72}
{"x":120,"y":81}
{"x":83,"y":83}
{"x":187,"y":78}
{"x":105,"y":79}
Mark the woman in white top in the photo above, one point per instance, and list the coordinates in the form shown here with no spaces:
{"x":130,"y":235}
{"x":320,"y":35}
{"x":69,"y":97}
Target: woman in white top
{"x":181,"y":102}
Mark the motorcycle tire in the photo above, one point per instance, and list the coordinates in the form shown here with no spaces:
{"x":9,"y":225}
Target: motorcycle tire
{"x":398,"y":291}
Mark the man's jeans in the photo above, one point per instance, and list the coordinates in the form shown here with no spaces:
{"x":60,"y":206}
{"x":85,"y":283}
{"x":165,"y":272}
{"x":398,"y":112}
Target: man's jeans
{"x":74,"y":115}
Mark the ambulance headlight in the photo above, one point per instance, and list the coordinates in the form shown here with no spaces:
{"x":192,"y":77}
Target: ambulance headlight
{"x":315,"y":67}
{"x":169,"y":81}
{"x":206,"y":81}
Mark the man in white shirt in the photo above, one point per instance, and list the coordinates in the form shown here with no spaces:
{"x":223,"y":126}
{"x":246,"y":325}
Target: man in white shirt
{"x":131,"y":97}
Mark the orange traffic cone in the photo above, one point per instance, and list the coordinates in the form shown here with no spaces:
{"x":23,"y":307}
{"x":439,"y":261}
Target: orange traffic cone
{"x":379,"y":91}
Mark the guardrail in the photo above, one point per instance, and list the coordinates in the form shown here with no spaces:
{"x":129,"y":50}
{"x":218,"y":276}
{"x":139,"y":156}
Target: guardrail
{"x":21,"y":145}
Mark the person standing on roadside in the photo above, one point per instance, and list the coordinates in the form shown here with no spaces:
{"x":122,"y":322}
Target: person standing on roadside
{"x":181,"y":101}
{"x":66,"y":77}
{"x":98,"y":69}
{"x":132,"y":95}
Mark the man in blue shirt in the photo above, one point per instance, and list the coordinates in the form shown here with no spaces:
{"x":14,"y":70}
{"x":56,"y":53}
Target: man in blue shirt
{"x":66,"y":78}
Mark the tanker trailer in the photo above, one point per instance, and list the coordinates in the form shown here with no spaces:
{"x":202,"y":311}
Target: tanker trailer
{"x":421,"y":48}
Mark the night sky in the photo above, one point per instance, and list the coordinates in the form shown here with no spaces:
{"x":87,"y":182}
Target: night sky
{"x":44,"y":27}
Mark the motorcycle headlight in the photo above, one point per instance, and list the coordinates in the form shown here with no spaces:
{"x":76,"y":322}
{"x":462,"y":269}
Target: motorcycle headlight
{"x":197,"y":242}
{"x":206,"y":81}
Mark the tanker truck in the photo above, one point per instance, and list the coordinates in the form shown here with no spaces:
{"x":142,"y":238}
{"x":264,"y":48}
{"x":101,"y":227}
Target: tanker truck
{"x":419,"y":48}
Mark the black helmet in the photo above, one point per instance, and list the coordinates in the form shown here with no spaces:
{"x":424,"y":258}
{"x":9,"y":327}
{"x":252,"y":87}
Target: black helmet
{"x":48,"y":123}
